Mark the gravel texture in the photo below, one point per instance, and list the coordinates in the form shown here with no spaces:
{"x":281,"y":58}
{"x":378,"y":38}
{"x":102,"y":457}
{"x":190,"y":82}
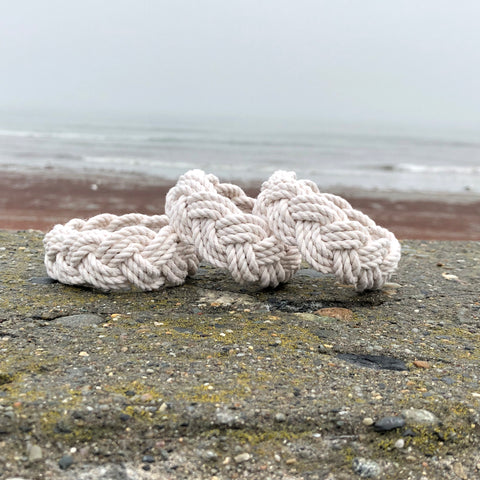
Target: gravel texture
{"x":212,"y":380}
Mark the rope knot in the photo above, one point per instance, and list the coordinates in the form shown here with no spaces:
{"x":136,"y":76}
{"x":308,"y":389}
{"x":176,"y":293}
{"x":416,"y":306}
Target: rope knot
{"x":331,"y":235}
{"x":212,"y":217}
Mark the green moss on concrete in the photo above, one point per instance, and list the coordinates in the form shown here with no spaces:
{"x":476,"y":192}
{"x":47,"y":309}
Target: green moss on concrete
{"x":271,"y":354}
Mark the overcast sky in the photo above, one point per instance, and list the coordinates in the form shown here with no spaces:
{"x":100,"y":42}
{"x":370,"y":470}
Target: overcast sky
{"x":399,"y":61}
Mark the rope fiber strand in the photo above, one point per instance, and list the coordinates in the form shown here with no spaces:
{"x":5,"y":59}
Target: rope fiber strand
{"x":259,"y":241}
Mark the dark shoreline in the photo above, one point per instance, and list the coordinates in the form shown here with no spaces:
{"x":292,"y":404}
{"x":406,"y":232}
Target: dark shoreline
{"x":41,"y":199}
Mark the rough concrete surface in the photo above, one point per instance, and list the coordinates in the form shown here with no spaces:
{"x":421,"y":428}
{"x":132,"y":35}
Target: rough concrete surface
{"x":212,"y":380}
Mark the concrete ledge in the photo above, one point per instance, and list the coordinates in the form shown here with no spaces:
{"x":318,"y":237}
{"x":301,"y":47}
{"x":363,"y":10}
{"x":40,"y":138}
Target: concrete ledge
{"x":214,"y":380}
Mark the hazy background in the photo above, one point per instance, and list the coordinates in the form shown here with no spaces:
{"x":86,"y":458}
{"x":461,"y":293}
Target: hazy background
{"x":369,"y":94}
{"x":400,"y":62}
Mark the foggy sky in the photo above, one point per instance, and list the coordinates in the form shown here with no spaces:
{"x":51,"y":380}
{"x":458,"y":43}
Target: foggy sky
{"x":385,"y":60}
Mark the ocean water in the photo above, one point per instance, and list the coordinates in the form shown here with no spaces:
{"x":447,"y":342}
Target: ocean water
{"x":334,"y":156}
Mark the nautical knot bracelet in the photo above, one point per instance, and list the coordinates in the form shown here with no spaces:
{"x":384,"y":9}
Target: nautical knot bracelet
{"x":259,"y":241}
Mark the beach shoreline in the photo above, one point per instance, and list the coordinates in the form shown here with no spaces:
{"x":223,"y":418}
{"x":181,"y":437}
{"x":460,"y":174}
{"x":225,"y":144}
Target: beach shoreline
{"x":39,"y":199}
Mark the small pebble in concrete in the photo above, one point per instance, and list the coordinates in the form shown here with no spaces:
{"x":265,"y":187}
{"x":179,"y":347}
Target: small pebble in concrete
{"x":400,"y":443}
{"x":242,"y":457}
{"x":389,"y":423}
{"x":80,"y":320}
{"x":366,"y":468}
{"x":208,"y":456}
{"x":448,"y":380}
{"x":421,"y":364}
{"x":280,"y":417}
{"x":415,"y":416}
{"x":43,"y":280}
{"x":336,"y":312}
{"x":459,"y":471}
{"x":367,"y":421}
{"x":163,"y":454}
{"x":65,"y":462}
{"x":35,"y":453}
{"x":148,"y":459}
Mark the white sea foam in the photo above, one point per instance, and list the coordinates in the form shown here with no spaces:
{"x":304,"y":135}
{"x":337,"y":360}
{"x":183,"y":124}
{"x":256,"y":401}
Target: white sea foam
{"x":56,"y":135}
{"x":440,"y":169}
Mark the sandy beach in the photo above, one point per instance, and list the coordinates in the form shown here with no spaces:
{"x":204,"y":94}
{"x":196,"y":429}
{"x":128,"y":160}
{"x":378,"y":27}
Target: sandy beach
{"x":41,"y":199}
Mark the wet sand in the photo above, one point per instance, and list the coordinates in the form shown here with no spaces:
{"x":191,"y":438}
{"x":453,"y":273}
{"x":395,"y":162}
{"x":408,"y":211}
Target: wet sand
{"x":39,"y":200}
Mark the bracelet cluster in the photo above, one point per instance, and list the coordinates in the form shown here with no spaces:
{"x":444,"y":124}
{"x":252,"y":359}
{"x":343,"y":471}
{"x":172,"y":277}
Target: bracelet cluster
{"x":260,"y":241}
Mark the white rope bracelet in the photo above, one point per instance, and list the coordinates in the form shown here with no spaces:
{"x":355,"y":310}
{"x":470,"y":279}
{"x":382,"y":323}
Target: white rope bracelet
{"x":258,"y":241}
{"x":331,"y":236}
{"x":114,"y":253}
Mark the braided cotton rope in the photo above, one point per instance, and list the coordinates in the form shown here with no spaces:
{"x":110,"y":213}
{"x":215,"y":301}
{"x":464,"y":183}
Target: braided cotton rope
{"x":331,"y":236}
{"x":259,"y":241}
{"x":112,"y":252}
